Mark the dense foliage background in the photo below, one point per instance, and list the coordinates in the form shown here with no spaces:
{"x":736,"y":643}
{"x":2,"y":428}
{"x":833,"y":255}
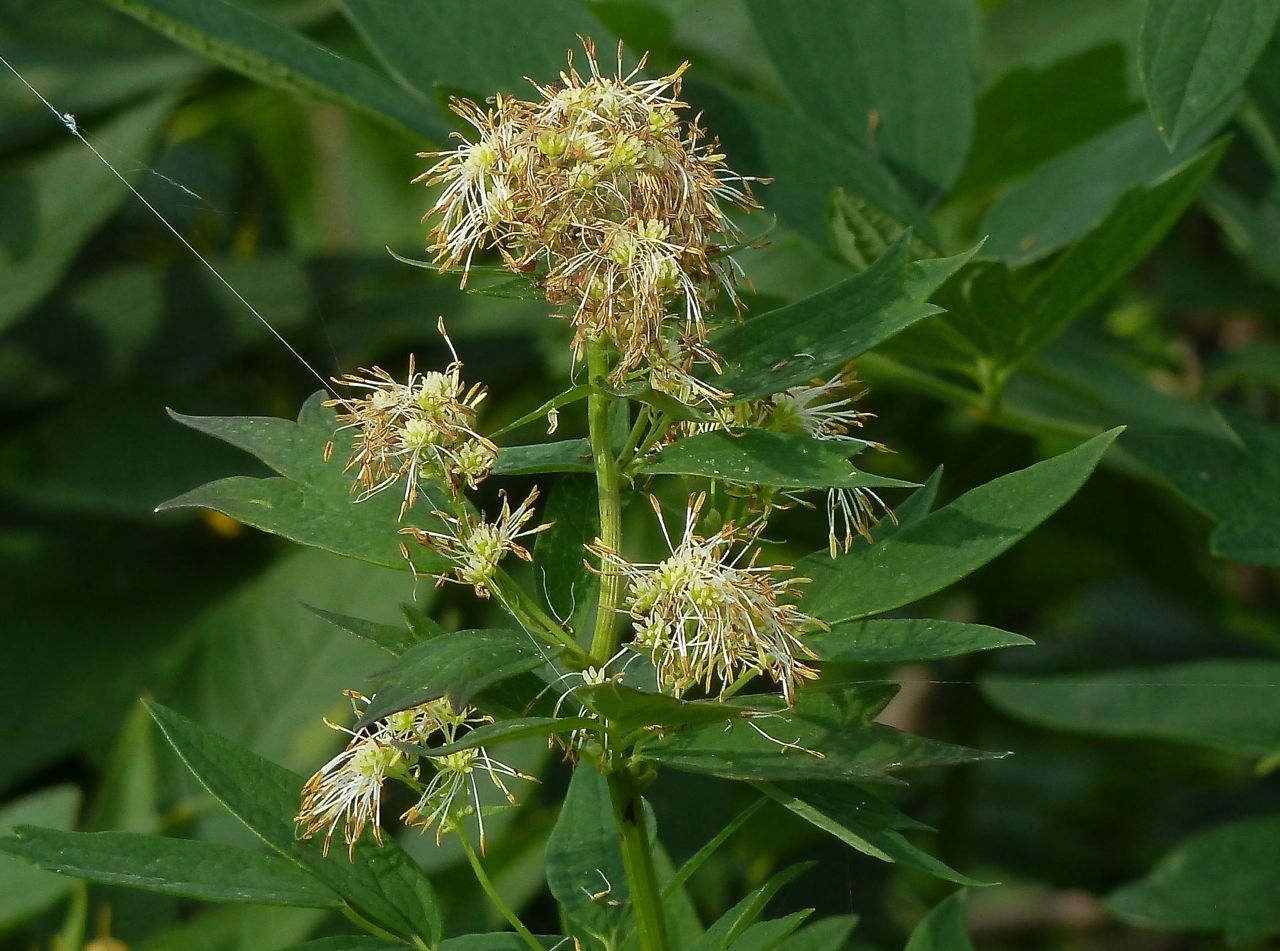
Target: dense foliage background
{"x":1122,"y":164}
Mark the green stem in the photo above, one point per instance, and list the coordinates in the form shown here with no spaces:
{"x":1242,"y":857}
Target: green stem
{"x":483,"y":878}
{"x":637,"y":860}
{"x":604,"y":642}
{"x":366,"y":925}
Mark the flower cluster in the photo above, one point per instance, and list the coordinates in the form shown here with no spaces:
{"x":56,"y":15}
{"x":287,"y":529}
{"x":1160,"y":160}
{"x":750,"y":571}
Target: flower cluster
{"x":706,"y":617}
{"x":475,"y":546}
{"x":604,"y":193}
{"x":423,"y":429}
{"x":347,"y":790}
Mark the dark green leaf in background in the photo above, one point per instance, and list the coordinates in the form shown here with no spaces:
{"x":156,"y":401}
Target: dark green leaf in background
{"x":895,"y":79}
{"x":584,"y":858}
{"x":55,"y":205}
{"x":263,"y":50}
{"x":1229,"y":705}
{"x":1226,"y":878}
{"x":943,"y":929}
{"x":456,"y":44}
{"x":1193,"y":54}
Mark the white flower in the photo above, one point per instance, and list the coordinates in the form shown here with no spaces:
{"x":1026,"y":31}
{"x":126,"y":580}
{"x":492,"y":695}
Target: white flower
{"x":705,"y":616}
{"x":452,"y":794}
{"x":476,"y":546}
{"x":815,"y":410}
{"x":421,"y":429}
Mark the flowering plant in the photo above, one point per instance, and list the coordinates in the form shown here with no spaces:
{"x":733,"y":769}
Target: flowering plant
{"x":702,"y":647}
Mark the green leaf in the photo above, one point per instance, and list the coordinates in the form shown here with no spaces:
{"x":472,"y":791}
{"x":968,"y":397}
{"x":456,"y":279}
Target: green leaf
{"x":62,"y":199}
{"x":905,"y":640}
{"x":699,"y":858}
{"x":208,"y":871}
{"x":458,"y":666}
{"x":1229,"y":705}
{"x":806,"y":159}
{"x":863,"y":821}
{"x":265,"y":51}
{"x":312,"y":502}
{"x":25,"y":891}
{"x":1194,"y":54}
{"x":381,"y":882}
{"x":349,"y":943}
{"x":1030,"y":221}
{"x":734,"y":922}
{"x":498,"y":941}
{"x":949,"y":543}
{"x":943,"y":929}
{"x":572,"y":395}
{"x":568,"y":455}
{"x":574,"y":513}
{"x":809,"y":339}
{"x":766,"y":935}
{"x":1222,"y":879}
{"x":825,"y":935}
{"x":1033,"y":113}
{"x":896,"y":78}
{"x":628,"y":709}
{"x":430,"y":44}
{"x":761,"y":457}
{"x":860,"y":232}
{"x":392,"y":638}
{"x":1223,"y":461}
{"x":1091,"y":267}
{"x":584,"y":859}
{"x":828,"y":736}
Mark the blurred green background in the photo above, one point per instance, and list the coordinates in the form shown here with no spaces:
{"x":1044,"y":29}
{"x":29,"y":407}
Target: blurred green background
{"x":294,"y":181}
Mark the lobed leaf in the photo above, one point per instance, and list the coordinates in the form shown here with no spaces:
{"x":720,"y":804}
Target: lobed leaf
{"x":311,"y":502}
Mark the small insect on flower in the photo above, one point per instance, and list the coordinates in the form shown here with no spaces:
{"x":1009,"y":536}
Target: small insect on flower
{"x":423,"y":429}
{"x":705,"y":616}
{"x":475,"y":546}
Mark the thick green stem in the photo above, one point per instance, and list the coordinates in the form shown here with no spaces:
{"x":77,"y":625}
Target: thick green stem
{"x":637,"y":860}
{"x":604,"y":642}
{"x":483,"y":878}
